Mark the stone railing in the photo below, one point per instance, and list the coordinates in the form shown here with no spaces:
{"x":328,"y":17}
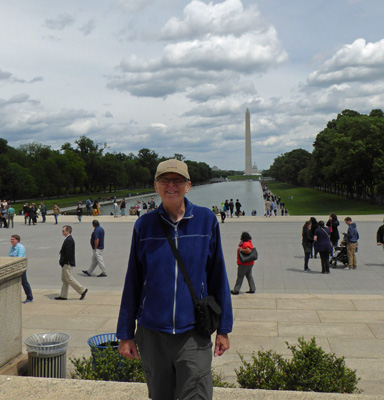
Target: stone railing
{"x":11,"y":269}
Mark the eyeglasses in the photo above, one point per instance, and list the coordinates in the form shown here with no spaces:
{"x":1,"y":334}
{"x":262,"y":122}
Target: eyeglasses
{"x":175,"y":181}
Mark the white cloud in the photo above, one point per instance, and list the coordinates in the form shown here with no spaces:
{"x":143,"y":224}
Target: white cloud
{"x":159,"y":125}
{"x":356,"y":62}
{"x":202,"y":19}
{"x":223,"y":40}
{"x":187,"y":71}
{"x":83,"y":127}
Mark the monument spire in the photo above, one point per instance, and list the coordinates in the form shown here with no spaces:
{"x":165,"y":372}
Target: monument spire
{"x":248,"y":147}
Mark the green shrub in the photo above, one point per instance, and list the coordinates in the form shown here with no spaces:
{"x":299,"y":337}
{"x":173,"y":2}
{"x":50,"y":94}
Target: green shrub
{"x":218,"y":381}
{"x":108,"y":365}
{"x":312,"y":369}
{"x":266,"y":372}
{"x":309,"y":369}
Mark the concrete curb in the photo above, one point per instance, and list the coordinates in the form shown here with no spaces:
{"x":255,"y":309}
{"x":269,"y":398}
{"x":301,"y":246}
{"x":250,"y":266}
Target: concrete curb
{"x":12,"y":387}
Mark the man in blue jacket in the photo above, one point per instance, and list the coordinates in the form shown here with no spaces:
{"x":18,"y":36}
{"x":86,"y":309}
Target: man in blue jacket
{"x":157,"y":297}
{"x":352,"y":236}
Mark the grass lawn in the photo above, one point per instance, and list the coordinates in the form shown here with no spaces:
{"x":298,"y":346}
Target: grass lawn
{"x":243,"y":177}
{"x":308,"y":201}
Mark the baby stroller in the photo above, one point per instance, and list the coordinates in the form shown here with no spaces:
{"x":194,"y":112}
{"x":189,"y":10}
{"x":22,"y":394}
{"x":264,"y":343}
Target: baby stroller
{"x":339,"y":254}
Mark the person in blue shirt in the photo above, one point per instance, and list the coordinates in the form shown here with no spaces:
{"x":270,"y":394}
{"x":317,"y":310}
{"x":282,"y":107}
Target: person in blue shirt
{"x":97,"y":244}
{"x":18,"y":250}
{"x":157,"y":311}
{"x":351,"y":236}
{"x":11,"y":214}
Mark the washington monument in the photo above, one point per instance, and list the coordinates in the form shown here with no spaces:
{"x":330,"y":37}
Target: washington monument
{"x":248,"y":148}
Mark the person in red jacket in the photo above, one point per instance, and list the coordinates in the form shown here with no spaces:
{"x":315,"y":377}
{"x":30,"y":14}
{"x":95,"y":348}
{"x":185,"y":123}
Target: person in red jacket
{"x":244,"y":269}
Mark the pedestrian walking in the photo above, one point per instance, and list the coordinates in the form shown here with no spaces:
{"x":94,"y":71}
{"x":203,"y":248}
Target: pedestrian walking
{"x":244,"y":269}
{"x":79,"y":212}
{"x":56,"y":212}
{"x":67,"y":262}
{"x":97,"y":244}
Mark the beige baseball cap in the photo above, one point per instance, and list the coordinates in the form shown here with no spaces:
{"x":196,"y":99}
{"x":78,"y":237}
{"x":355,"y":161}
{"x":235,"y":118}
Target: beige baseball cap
{"x":172,"y":166}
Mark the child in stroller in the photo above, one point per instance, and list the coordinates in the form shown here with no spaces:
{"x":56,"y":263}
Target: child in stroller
{"x":339,"y":254}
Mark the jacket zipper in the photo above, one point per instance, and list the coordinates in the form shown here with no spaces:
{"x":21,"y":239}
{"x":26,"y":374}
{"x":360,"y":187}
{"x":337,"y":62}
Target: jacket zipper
{"x":176,"y":275}
{"x":176,"y":272}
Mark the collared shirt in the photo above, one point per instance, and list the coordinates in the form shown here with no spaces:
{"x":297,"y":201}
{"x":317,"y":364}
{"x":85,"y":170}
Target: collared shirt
{"x":98,"y":233}
{"x":17,"y":251}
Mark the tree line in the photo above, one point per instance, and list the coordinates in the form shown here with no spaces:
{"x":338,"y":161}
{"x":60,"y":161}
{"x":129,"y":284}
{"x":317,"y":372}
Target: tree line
{"x":347,"y":158}
{"x":36,"y":170}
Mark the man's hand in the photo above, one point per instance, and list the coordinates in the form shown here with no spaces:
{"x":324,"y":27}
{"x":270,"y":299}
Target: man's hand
{"x":221,"y":345}
{"x":127,"y":348}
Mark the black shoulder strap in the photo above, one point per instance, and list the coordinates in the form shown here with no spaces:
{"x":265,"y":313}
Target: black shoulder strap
{"x":178,"y":259}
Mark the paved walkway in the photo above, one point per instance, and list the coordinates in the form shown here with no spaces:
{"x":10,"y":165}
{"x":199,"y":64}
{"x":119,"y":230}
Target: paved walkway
{"x":343,"y":310}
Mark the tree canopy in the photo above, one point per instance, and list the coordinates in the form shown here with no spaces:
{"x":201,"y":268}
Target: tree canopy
{"x":37,"y":170}
{"x":347,"y":157}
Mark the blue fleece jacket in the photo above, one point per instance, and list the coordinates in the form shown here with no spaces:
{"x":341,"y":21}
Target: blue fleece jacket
{"x":352,"y":234}
{"x":155,"y":293}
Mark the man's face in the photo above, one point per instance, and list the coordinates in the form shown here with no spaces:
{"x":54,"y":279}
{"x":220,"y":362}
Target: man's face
{"x":172,"y":188}
{"x":14,"y":241}
{"x":65,"y":232}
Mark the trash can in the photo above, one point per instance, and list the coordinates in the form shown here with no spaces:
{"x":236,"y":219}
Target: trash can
{"x":101,"y":341}
{"x":47,"y":354}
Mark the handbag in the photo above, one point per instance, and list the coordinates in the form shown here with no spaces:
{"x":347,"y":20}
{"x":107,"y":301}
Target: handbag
{"x":207,"y":311}
{"x":252,"y":256}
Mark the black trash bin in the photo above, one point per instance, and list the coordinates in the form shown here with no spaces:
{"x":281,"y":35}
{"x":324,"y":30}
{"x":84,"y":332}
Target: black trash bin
{"x":47,"y":354}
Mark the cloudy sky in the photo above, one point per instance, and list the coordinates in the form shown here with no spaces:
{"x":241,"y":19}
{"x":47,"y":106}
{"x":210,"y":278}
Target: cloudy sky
{"x":177,"y":76}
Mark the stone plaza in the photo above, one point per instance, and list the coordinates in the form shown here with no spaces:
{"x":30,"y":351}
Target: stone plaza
{"x":343,"y":310}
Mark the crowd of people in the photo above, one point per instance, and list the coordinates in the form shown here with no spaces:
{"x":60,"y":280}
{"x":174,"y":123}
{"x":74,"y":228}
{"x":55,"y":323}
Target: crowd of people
{"x":229,"y":208}
{"x":7,"y":213}
{"x":273,"y":204}
{"x":67,"y":261}
{"x":323,"y":238}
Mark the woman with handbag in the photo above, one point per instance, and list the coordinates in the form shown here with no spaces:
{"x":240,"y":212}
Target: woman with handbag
{"x":245,"y":262}
{"x":323,"y":246}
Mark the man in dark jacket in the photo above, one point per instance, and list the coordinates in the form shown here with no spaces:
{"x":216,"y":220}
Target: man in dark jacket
{"x":67,"y":262}
{"x":380,"y":235}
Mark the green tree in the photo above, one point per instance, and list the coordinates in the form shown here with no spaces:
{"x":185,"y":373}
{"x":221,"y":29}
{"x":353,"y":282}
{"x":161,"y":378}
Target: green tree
{"x":18,"y":182}
{"x":148,"y":159}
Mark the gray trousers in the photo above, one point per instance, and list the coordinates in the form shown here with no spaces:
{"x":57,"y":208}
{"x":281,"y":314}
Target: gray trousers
{"x":97,"y":260}
{"x":176,"y":366}
{"x":244,"y":270}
